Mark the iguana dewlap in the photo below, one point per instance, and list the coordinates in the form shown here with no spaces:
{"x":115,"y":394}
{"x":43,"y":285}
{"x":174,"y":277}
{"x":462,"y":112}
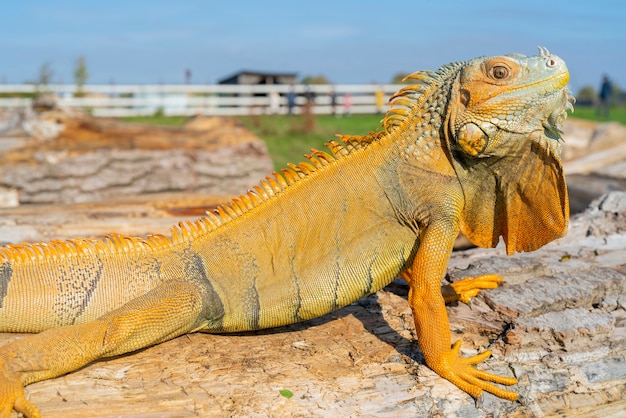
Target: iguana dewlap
{"x":472,"y":147}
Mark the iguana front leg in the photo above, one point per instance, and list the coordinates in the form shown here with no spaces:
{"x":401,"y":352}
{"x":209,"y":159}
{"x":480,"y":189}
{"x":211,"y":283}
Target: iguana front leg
{"x":172,"y":309}
{"x":464,"y":290}
{"x":431,"y":318}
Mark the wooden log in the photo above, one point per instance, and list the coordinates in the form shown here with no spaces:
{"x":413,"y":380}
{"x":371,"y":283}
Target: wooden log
{"x":558,"y":324}
{"x":86,"y":159}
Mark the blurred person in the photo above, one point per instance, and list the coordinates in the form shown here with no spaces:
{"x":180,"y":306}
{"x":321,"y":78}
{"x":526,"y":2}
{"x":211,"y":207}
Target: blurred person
{"x":347,"y":104}
{"x":291,"y":100}
{"x":606,"y":90}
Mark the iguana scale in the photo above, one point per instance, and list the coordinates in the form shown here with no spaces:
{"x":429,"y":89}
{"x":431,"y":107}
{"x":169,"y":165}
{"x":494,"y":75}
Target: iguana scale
{"x":471,"y":147}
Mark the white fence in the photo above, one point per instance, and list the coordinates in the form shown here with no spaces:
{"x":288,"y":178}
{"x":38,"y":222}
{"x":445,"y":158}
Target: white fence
{"x":171,"y":100}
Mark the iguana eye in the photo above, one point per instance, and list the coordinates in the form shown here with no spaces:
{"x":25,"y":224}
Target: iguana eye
{"x":499,"y":72}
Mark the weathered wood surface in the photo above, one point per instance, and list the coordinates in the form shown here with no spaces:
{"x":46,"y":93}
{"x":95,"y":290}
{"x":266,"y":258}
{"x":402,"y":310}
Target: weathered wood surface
{"x":558,"y":324}
{"x":64,"y":157}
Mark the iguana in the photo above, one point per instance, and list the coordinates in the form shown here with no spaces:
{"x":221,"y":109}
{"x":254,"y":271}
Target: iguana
{"x":471,"y":147}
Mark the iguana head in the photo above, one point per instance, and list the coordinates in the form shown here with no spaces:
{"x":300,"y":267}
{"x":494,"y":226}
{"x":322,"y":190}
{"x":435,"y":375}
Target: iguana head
{"x":503,"y":130}
{"x":511,"y":93}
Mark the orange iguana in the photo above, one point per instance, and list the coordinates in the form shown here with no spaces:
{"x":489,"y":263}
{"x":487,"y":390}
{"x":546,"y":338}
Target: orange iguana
{"x":472,"y":147}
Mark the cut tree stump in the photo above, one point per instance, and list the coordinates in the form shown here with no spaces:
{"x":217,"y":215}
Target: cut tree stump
{"x":68,"y":157}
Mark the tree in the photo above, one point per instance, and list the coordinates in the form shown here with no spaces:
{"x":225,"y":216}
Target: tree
{"x":43,"y":79}
{"x":80,"y":75}
{"x":586,"y":96}
{"x":397,"y":79}
{"x":317,"y":79}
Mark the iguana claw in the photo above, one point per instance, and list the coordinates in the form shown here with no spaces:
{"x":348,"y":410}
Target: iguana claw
{"x":464,"y":290}
{"x":459,"y":371}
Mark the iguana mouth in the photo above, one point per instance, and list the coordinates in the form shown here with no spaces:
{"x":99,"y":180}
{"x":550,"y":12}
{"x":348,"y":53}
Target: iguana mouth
{"x":561,"y":80}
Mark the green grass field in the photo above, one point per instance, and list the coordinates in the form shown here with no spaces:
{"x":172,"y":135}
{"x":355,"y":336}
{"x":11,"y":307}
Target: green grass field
{"x":618,"y":114}
{"x":287,"y":139}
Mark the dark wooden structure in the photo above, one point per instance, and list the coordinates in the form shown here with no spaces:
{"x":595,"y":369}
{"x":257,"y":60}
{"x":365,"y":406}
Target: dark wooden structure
{"x":257,"y":77}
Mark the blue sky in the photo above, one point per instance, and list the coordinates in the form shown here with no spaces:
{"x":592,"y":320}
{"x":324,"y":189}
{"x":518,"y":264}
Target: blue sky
{"x":347,"y":41}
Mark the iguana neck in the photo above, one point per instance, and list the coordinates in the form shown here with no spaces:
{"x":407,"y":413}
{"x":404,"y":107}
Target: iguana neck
{"x":416,"y":168}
